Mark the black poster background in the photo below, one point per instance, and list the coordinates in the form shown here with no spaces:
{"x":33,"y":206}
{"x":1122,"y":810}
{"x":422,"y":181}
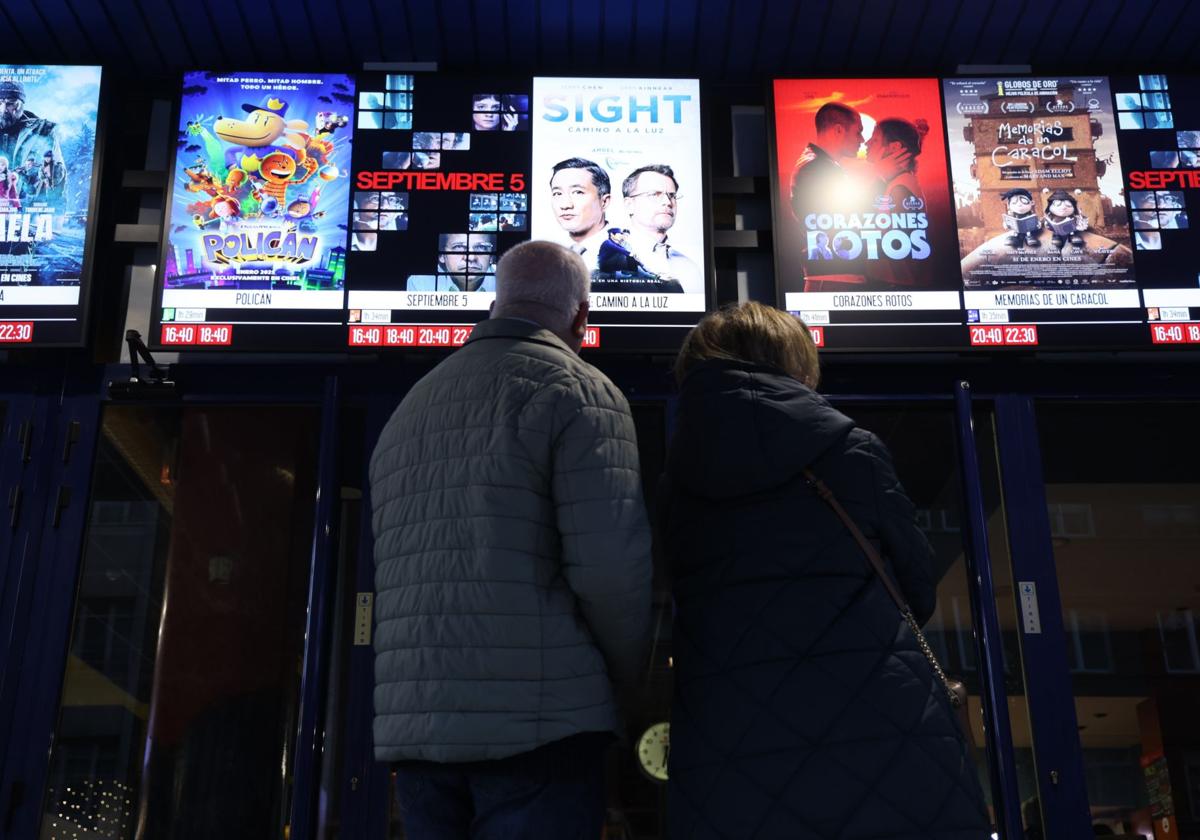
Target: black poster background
{"x":439,"y":104}
{"x":1156,"y":154}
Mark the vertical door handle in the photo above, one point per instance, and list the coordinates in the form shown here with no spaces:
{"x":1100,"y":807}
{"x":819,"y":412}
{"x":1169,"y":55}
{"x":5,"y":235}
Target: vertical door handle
{"x":14,"y":504}
{"x":72,"y":439}
{"x":25,"y":438}
{"x":60,"y":504}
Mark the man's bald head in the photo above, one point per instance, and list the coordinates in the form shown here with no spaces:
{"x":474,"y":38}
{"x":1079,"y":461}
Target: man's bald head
{"x":543,"y":282}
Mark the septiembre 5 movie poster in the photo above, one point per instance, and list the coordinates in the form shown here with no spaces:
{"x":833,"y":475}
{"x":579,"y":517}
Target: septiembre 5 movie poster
{"x":1158,"y":119}
{"x":862,"y":199}
{"x":47,"y":150}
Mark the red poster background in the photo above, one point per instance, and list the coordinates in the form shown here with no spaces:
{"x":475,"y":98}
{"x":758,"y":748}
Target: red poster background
{"x":796,"y":103}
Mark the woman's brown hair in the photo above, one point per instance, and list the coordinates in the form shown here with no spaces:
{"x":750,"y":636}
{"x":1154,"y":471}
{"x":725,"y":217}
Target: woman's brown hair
{"x":752,"y":332}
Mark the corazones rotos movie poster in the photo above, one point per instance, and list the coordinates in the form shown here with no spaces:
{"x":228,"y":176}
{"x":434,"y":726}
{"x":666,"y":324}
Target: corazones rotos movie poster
{"x":862,"y":199}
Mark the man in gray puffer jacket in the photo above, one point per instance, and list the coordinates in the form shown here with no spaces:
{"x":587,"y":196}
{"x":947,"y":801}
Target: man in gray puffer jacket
{"x":512,"y":570}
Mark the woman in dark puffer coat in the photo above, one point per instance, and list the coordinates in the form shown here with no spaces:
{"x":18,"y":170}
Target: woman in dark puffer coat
{"x":803,"y":705}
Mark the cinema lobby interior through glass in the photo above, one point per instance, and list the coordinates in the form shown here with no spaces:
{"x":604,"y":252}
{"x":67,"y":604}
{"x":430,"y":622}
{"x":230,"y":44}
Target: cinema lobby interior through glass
{"x":233,"y":236}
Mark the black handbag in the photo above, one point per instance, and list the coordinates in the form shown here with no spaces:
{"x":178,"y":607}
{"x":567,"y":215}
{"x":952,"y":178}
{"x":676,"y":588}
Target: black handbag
{"x":956,"y":692}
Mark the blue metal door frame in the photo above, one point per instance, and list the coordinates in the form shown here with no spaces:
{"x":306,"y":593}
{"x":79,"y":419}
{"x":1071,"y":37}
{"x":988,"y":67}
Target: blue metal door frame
{"x":31,"y":396}
{"x":52,"y":538}
{"x":52,"y":527}
{"x":1001,"y":761}
{"x":48,"y":541}
{"x":310,"y":737}
{"x":17,"y":442}
{"x":365,"y":783}
{"x":1057,"y":752}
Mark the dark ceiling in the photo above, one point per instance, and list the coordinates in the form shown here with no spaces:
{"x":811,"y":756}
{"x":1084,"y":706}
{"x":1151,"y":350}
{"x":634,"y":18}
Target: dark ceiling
{"x":714,"y":39}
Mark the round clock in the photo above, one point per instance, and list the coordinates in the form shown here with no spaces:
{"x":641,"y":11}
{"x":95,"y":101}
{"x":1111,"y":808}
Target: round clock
{"x":653,"y":751}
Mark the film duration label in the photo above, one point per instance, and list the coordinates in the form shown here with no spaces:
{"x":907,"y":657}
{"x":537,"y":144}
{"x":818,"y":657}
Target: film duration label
{"x":1007,"y":335}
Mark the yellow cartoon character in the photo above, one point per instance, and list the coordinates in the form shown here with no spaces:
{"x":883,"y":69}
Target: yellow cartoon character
{"x":258,"y":134}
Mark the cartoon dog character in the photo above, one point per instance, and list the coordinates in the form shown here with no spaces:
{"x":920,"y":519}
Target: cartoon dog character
{"x":256,"y":136}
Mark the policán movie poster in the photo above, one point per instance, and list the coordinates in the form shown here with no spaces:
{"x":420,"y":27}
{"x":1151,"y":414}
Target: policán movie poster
{"x":1037,"y":183}
{"x":260,"y":189}
{"x":47,"y":148}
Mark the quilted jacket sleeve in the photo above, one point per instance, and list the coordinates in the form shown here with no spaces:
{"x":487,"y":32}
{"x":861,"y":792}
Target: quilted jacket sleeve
{"x":601,"y":517}
{"x":903,"y":542}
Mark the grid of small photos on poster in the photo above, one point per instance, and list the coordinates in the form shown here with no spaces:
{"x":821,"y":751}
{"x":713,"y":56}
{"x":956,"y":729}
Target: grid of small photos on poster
{"x":436,"y":203}
{"x":467,"y":261}
{"x":1154,"y":211}
{"x":383,"y":211}
{"x":390,"y":108}
{"x":376,"y":212}
{"x":503,"y":211}
{"x":1148,"y":107}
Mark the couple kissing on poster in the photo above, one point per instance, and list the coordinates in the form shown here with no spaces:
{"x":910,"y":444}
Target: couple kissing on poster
{"x":863,"y":217}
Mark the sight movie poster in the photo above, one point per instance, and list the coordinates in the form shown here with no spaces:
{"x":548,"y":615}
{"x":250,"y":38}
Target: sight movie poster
{"x":617,"y":177}
{"x":1037,"y":183}
{"x":863,"y":195}
{"x":47,"y":150}
{"x":260,"y":191}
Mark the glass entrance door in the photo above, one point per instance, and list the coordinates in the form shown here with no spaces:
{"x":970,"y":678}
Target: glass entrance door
{"x":180,"y":693}
{"x":1123,"y":496}
{"x":922,"y":438}
{"x":356,"y":790}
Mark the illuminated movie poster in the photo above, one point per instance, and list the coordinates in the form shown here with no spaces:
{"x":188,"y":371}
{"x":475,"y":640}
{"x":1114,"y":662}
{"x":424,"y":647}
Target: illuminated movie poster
{"x":1037,"y":183}
{"x":617,"y":176}
{"x":261,"y":189}
{"x":863,"y":195}
{"x":1158,"y":129}
{"x":440,"y":191}
{"x":47,"y":147}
